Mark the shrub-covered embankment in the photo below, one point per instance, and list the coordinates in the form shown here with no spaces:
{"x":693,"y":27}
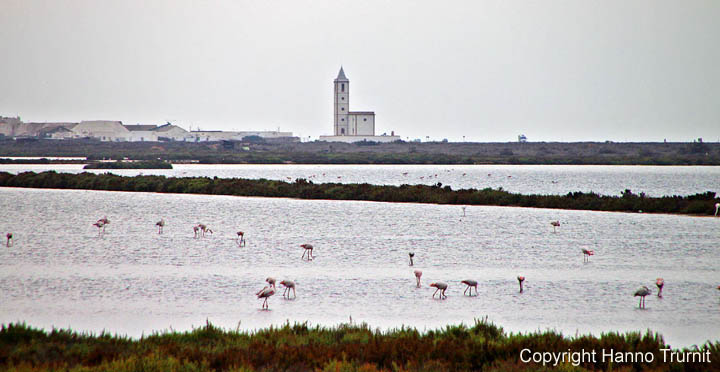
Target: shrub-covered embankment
{"x":699,"y":204}
{"x":482,"y":347}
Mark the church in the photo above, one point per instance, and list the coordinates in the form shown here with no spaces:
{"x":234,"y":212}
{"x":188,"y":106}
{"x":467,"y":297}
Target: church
{"x":352,"y":126}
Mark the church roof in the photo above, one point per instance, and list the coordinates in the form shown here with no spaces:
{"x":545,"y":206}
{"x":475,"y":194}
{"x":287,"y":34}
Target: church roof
{"x":341,"y":75}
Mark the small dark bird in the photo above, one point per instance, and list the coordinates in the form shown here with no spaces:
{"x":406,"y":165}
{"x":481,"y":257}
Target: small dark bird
{"x":411,"y":254}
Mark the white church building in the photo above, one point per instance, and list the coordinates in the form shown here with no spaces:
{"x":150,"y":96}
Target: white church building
{"x":352,"y":126}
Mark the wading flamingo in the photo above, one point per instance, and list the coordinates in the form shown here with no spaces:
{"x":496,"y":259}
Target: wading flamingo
{"x":660,"y":283}
{"x":470,"y":285}
{"x":309,"y":250}
{"x":717,"y":208}
{"x":100,"y":224}
{"x":521,"y":279}
{"x":288,"y":284}
{"x":265,"y":293}
{"x":411,"y":254}
{"x":418,"y":275}
{"x":587,"y":253}
{"x":160,"y":224}
{"x":9,"y":241}
{"x":271,"y":281}
{"x":441,"y":286}
{"x":201,"y":229}
{"x":241,"y":238}
{"x":555,"y":224}
{"x":642,"y":292}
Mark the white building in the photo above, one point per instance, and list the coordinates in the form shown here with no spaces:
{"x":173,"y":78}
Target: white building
{"x":172,"y":132}
{"x":141,"y":133}
{"x":351,"y":126}
{"x":104,"y":130}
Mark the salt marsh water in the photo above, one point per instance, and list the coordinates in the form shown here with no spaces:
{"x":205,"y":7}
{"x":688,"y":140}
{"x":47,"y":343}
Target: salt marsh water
{"x":60,"y":273}
{"x":525,"y":179}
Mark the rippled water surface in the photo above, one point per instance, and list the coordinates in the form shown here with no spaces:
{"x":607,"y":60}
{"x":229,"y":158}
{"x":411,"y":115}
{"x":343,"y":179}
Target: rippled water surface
{"x":60,"y":273}
{"x":525,"y":179}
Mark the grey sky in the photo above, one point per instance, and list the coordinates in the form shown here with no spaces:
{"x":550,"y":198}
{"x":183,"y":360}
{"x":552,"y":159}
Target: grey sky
{"x":490,"y":70}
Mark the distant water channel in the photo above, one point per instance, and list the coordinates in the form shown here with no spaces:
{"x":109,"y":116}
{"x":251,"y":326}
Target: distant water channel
{"x":60,"y":273}
{"x":525,"y":179}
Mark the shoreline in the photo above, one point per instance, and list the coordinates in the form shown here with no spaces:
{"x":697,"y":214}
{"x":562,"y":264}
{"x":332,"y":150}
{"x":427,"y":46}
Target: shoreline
{"x":347,"y":346}
{"x":701,"y":204}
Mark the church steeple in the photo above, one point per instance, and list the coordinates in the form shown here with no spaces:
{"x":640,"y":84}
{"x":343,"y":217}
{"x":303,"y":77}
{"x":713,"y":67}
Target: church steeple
{"x":342,"y":104}
{"x":341,"y":75}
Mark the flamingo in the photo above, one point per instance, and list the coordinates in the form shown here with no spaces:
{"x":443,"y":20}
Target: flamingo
{"x":288,"y":284}
{"x":418,"y":275}
{"x":160,"y":224}
{"x":308,"y":249}
{"x":9,"y":241}
{"x":521,"y":279}
{"x":271,"y":281}
{"x":265,"y":293}
{"x":717,"y":208}
{"x":587,"y":253}
{"x":196,"y":231}
{"x":411,"y":254}
{"x":441,"y":286}
{"x":100,"y":224}
{"x":642,"y":292}
{"x":555,"y":224}
{"x":202,"y":229}
{"x":660,"y":283}
{"x":241,"y":238}
{"x":470,"y":285}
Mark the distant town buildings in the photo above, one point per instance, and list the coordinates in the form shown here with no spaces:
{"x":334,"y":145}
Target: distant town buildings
{"x":116,"y":131}
{"x":352,"y":126}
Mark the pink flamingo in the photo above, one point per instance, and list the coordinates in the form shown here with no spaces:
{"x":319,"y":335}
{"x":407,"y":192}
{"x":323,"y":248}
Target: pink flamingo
{"x":660,"y":283}
{"x":9,"y":241}
{"x":521,"y":279}
{"x":309,"y":250}
{"x":160,"y":224}
{"x":100,"y":224}
{"x":642,"y":292}
{"x":587,"y":253}
{"x":441,"y":286}
{"x":418,"y":275}
{"x":288,"y":284}
{"x":201,"y":229}
{"x":470,"y":285}
{"x":717,"y":208}
{"x":265,"y":293}
{"x":555,"y":224}
{"x":241,"y":238}
{"x":271,"y":281}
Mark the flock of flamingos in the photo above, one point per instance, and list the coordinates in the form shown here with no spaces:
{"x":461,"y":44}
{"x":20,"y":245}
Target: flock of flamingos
{"x":201,"y":230}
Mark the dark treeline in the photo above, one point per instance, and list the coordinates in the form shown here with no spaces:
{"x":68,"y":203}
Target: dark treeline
{"x":317,"y":152}
{"x":482,"y":347}
{"x":698,"y":204}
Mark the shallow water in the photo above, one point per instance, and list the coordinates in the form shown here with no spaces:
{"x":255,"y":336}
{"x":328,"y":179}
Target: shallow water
{"x":525,"y":179}
{"x":133,"y":281}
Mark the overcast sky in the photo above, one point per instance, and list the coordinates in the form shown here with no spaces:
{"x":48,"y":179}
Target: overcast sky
{"x":574,"y":70}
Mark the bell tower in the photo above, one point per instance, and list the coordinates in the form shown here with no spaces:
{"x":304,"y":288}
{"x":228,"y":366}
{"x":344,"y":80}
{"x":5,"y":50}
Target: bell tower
{"x":342,"y":104}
